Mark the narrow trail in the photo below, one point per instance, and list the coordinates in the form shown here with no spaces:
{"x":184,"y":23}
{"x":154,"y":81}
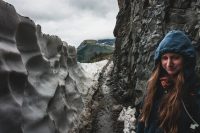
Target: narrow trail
{"x":102,"y":110}
{"x":104,"y":116}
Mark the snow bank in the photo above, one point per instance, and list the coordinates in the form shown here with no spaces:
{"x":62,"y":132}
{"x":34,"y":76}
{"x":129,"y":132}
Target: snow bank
{"x":92,"y":70}
{"x":127,"y":115}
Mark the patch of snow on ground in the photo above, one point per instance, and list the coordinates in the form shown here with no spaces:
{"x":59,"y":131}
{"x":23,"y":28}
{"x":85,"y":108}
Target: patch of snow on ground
{"x":127,"y":115}
{"x":92,"y":70}
{"x":91,"y":73}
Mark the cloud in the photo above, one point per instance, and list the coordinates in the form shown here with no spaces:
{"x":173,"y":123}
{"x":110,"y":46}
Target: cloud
{"x":99,"y":8}
{"x":72,"y":20}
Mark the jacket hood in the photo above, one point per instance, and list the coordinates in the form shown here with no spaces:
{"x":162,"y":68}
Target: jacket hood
{"x":176,"y":41}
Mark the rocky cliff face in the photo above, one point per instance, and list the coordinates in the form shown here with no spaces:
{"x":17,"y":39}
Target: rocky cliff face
{"x":140,"y":25}
{"x":39,"y":78}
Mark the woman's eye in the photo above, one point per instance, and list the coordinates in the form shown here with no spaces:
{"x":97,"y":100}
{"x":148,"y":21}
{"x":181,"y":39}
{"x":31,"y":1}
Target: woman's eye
{"x":164,"y":58}
{"x":176,"y":57}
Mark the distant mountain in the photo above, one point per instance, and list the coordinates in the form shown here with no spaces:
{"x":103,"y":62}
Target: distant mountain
{"x":95,"y":50}
{"x":110,"y":42}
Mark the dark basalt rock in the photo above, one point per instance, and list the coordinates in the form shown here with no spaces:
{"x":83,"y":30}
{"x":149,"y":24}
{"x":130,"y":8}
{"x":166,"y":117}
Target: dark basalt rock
{"x":38,"y":91}
{"x":139,"y":28}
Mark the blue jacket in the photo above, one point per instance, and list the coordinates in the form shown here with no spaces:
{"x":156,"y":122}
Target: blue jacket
{"x":176,"y":41}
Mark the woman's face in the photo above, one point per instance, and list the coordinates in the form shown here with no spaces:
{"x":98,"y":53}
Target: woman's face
{"x":172,"y":63}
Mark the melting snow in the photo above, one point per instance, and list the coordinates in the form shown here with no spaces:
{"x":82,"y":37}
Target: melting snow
{"x":127,"y":115}
{"x":91,"y":71}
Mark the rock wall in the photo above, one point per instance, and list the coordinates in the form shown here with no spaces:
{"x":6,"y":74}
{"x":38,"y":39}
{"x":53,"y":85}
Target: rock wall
{"x":39,"y":78}
{"x":140,"y":25}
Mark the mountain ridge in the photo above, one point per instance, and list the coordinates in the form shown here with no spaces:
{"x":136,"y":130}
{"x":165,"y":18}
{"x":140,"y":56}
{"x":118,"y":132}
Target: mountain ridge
{"x":89,"y":49}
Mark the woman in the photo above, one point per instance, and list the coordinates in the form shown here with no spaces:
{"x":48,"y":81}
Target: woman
{"x":172,"y":102}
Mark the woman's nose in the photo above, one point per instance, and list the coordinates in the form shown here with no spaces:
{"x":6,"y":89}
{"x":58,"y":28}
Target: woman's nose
{"x":169,"y":62}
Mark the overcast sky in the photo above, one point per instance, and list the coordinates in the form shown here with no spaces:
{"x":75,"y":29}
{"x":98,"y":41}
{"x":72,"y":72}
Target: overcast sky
{"x":72,"y":20}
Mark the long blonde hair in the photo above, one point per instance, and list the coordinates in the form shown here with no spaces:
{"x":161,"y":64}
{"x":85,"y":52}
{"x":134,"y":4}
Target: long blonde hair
{"x":168,"y":111}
